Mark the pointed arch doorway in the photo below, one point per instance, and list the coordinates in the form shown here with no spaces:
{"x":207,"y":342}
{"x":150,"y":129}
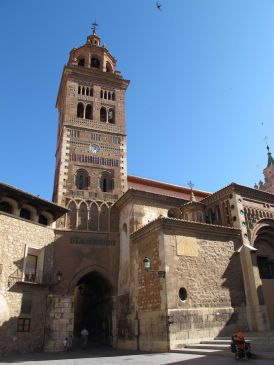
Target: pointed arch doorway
{"x":93,"y":308}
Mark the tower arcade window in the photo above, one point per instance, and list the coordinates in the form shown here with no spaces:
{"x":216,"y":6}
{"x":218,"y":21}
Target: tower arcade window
{"x":81,"y":62}
{"x":88,"y":112}
{"x":94,"y":62}
{"x":80,"y":110}
{"x":106,"y":182}
{"x":103,"y":114}
{"x":82,"y":179}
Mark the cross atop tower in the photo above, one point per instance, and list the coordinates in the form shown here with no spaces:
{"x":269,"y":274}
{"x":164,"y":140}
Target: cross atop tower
{"x":95,"y":25}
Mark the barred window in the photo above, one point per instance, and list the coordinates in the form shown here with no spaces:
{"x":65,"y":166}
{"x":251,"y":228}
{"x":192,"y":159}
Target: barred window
{"x":23,"y":325}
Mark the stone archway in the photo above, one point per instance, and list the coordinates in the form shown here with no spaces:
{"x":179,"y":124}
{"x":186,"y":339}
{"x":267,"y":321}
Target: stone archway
{"x":263,"y":241}
{"x":93,"y":308}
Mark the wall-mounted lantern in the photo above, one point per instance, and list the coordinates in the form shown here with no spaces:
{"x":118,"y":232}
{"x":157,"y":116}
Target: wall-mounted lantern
{"x":147,"y":265}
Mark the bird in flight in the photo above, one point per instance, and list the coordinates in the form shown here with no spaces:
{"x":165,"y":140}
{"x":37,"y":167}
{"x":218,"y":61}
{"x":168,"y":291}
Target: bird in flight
{"x":159,"y":6}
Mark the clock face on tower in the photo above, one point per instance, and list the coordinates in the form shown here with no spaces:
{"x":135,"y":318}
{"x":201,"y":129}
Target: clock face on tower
{"x":94,"y":148}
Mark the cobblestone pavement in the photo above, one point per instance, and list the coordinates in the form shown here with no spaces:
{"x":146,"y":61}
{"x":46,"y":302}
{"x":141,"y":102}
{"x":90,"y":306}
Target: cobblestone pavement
{"x":117,"y":357}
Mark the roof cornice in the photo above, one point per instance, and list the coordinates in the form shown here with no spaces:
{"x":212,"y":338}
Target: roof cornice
{"x":134,"y":194}
{"x":174,"y":226}
{"x":244,"y":191}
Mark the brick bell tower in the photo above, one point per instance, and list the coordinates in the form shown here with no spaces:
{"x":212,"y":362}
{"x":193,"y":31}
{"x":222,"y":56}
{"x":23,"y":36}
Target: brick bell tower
{"x":91,"y":172}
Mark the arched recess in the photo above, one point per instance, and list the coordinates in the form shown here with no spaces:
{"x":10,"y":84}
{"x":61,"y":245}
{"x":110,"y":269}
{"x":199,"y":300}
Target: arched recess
{"x":93,"y":218}
{"x":6,"y":207}
{"x":82,"y":179}
{"x":262,"y":239}
{"x":106,"y":182}
{"x":88,"y":112}
{"x":81,"y":62}
{"x":42,"y":219}
{"x":13,"y":203}
{"x":28,"y":212}
{"x":95,"y":62}
{"x":80,"y":110}
{"x":104,"y":218}
{"x":71,"y":216}
{"x":114,"y":219}
{"x":103,"y":114}
{"x":93,"y":307}
{"x":83,"y":216}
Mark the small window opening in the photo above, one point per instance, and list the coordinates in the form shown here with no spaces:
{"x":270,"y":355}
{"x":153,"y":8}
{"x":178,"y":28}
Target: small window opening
{"x":95,"y":62}
{"x":81,"y":62}
{"x":183,"y":294}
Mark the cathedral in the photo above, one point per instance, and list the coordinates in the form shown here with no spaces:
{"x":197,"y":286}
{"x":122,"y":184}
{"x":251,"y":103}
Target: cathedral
{"x":141,"y":264}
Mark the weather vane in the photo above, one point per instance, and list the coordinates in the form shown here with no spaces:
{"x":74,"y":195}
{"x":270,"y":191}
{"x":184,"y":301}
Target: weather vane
{"x":94,"y":27}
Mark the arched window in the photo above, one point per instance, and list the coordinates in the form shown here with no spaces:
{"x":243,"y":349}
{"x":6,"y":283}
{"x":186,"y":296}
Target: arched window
{"x":79,"y":89}
{"x":83,"y":216}
{"x":81,"y":62}
{"x":88,"y":113}
{"x":105,"y":95}
{"x":82,"y":180}
{"x":83,"y":90}
{"x":5,"y":207}
{"x":80,"y":110}
{"x":25,"y":213}
{"x":109,"y":95}
{"x":91,"y":91}
{"x":111,"y":116}
{"x":113,"y":96}
{"x":103,"y":114}
{"x":108,"y":67}
{"x":71,"y":216}
{"x":93,"y":218}
{"x":95,"y":62}
{"x":43,"y":220}
{"x":106,"y":182}
{"x":87,"y":91}
{"x":101,"y":94}
{"x":103,"y":221}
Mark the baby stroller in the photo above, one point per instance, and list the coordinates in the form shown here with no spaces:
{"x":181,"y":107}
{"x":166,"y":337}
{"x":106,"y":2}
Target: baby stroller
{"x":240,"y":347}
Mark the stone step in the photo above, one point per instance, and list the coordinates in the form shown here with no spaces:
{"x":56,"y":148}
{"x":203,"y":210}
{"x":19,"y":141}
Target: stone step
{"x":218,"y":342}
{"x":211,"y":346}
{"x":224,"y":353}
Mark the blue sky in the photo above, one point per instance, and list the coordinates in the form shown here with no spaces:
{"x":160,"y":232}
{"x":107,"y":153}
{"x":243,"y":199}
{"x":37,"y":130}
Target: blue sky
{"x":201,"y":98}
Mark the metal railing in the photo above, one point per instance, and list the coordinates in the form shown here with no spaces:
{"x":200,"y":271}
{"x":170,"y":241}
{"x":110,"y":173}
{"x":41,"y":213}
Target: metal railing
{"x":29,"y":277}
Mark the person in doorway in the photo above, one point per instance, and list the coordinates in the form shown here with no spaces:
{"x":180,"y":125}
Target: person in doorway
{"x":84,"y":336}
{"x":65,"y":343}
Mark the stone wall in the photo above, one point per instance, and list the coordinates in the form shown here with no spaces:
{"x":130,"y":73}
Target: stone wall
{"x":207,"y":269}
{"x":16,"y":236}
{"x":59,"y":323}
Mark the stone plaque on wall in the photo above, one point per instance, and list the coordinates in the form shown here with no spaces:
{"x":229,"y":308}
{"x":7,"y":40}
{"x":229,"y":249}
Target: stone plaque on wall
{"x":187,"y":246}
